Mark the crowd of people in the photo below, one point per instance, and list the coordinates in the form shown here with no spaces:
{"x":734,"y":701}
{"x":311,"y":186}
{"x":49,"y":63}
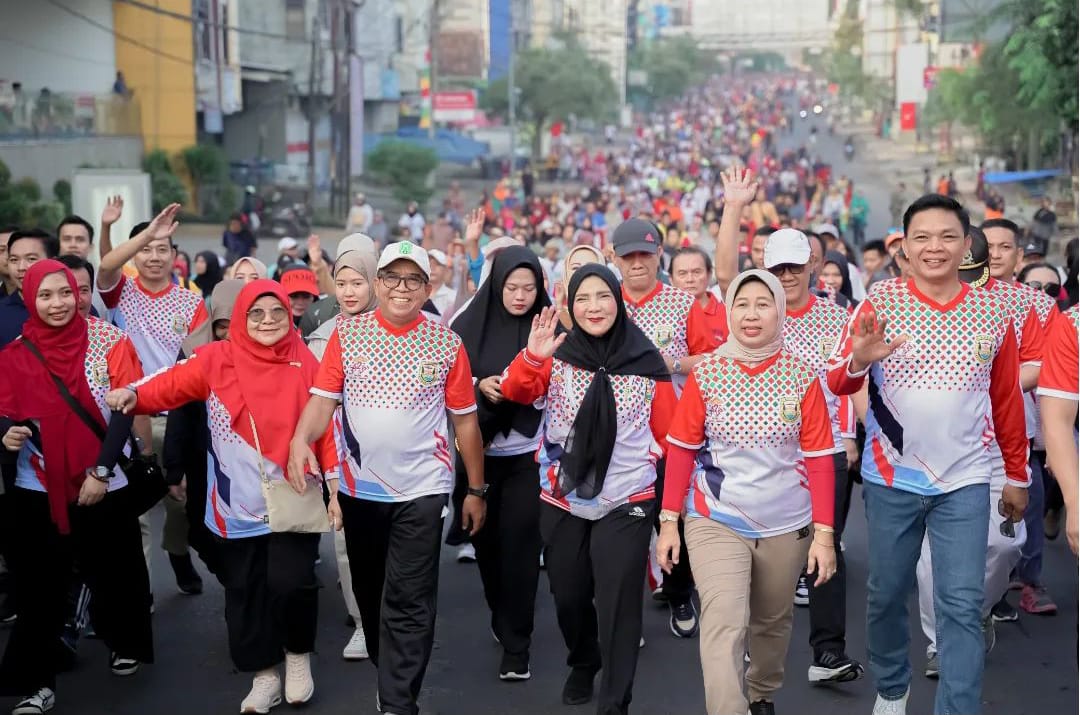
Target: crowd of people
{"x":669,"y":382}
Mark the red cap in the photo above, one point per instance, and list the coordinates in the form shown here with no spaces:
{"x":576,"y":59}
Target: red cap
{"x":300,"y":280}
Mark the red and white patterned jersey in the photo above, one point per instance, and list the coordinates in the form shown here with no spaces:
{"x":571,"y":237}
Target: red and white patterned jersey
{"x":157,"y":323}
{"x":754,"y":427}
{"x":644,"y":408}
{"x":395,"y":385}
{"x":811,"y":334}
{"x":1019,"y":305}
{"x":674,"y":322}
{"x":111,"y":362}
{"x":1046,"y":311}
{"x":939,"y":401}
{"x":1058,"y":377}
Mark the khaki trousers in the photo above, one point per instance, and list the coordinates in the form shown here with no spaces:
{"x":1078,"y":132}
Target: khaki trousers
{"x":746,"y":588}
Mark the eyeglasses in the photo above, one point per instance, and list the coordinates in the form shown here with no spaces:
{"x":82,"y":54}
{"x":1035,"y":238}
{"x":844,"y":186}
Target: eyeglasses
{"x":792,"y":268}
{"x":1051,"y":289}
{"x":1006,"y":527}
{"x":258,"y":315}
{"x":391,"y":281}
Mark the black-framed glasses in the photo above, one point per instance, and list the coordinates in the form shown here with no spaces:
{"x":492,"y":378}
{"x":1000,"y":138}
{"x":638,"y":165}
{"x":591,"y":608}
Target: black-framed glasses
{"x":391,"y":281}
{"x":1051,"y":289}
{"x":792,"y":268}
{"x":258,"y":315}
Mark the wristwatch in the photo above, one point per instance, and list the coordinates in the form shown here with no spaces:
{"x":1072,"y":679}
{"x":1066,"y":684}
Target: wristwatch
{"x":479,"y":491}
{"x":668,"y":516}
{"x":102,"y":474}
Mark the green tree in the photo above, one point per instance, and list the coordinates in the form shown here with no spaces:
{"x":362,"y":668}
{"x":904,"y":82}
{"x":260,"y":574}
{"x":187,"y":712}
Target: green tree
{"x":672,"y":66}
{"x":554,"y":84}
{"x":165,"y":186}
{"x":405,"y":168}
{"x":209,"y":171}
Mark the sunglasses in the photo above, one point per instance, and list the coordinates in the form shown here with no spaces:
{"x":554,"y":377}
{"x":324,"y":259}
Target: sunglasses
{"x":1007,"y":529}
{"x":1051,"y":289}
{"x":794,"y":269}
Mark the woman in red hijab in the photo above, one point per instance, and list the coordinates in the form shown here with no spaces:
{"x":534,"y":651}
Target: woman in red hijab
{"x":63,"y":509}
{"x":255,"y":384}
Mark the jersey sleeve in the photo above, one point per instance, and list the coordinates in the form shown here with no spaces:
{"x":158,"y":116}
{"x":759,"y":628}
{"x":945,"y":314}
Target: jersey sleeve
{"x":330,"y":379}
{"x":815,"y":435}
{"x":840,"y":378}
{"x":167,"y":389}
{"x":663,"y":410}
{"x":699,"y":336}
{"x":460,"y":398}
{"x":111,"y":297}
{"x":200,"y":317}
{"x":525,"y":380}
{"x":326,"y":450}
{"x":1007,"y":405}
{"x":123,"y":362}
{"x":688,"y":425}
{"x":845,"y":414}
{"x":1032,"y":341}
{"x":1058,"y":377}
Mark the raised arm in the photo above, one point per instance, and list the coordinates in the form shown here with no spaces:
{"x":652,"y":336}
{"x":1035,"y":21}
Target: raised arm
{"x":114,"y":207}
{"x":739,"y":190}
{"x":164,"y":225}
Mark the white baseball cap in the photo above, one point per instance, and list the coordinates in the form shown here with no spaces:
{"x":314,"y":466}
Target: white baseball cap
{"x":787,"y":246}
{"x":438,"y":256}
{"x":407,"y":251}
{"x":828,"y":228}
{"x":286,"y":244}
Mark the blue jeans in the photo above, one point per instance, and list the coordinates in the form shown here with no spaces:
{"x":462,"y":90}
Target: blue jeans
{"x":957,"y":525}
{"x":1029,"y":570}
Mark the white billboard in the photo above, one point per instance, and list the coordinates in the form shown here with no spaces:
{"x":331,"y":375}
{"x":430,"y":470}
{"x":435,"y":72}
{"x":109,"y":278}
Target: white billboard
{"x":911,"y":61}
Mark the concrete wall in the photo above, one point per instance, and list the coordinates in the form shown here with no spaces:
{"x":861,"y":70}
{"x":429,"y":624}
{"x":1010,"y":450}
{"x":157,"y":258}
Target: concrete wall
{"x":43,"y":46}
{"x":45,"y":161}
{"x":260,"y":128}
{"x":293,"y":56}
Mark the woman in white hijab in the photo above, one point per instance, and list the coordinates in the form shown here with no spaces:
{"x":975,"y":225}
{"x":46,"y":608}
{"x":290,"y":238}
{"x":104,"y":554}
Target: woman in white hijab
{"x":750,"y":462}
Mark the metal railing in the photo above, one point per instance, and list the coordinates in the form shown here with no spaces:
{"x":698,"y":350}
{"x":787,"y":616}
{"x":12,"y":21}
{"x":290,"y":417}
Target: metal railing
{"x":43,"y":114}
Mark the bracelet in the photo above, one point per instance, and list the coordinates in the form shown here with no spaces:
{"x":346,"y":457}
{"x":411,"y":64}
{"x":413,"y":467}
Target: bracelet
{"x":824,"y":529}
{"x":828,"y":546}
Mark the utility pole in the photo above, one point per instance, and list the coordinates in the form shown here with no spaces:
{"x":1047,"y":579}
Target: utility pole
{"x":314,"y":84}
{"x":512,"y":98}
{"x":433,"y":36}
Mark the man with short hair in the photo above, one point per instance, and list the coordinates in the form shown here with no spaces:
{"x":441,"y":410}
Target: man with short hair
{"x":7,"y":284}
{"x":24,"y":249}
{"x":938,"y":353}
{"x":874,"y":257}
{"x":757,"y":246}
{"x":76,"y":236}
{"x":690,"y":271}
{"x":396,"y":375}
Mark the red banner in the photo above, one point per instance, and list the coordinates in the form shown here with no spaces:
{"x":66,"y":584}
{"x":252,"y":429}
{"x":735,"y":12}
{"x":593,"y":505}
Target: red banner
{"x":907,"y":116}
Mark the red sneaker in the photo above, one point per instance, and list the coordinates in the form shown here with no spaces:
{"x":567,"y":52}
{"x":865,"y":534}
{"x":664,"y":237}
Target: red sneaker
{"x":1035,"y":599}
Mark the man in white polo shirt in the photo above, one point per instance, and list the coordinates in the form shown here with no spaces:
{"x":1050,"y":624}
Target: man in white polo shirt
{"x":396,"y":374}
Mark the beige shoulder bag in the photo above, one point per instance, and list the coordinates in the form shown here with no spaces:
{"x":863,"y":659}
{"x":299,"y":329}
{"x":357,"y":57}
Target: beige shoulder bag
{"x":286,"y":510}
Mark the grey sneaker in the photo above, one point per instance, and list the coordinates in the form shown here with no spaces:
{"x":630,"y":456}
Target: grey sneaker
{"x":932,"y":667}
{"x":989,"y":636}
{"x":883,"y":706}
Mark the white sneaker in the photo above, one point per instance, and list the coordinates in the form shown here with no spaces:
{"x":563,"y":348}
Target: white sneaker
{"x":356,"y":648}
{"x":802,"y":592}
{"x":891,"y":707}
{"x":40,"y":702}
{"x":466,"y":554}
{"x":265,"y":693}
{"x":299,"y":687}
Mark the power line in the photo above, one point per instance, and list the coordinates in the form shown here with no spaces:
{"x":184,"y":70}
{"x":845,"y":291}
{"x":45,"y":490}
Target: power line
{"x":119,"y":36}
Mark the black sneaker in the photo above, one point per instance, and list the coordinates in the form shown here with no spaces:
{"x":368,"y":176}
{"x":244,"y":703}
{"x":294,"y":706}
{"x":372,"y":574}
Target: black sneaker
{"x":1003,"y":612}
{"x":514,"y":668}
{"x":187,"y":578}
{"x":802,"y":592}
{"x":684,"y":619}
{"x":578,"y":688}
{"x":762,"y":707}
{"x":121,"y":666}
{"x":834,"y":667}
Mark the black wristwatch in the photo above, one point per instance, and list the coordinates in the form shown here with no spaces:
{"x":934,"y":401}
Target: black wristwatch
{"x":479,"y":491}
{"x":102,"y":474}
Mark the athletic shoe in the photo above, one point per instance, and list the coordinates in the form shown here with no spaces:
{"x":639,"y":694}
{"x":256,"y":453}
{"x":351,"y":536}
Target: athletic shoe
{"x":578,"y":688}
{"x":40,"y":702}
{"x":1016,"y":584}
{"x":299,"y":687}
{"x":356,"y":648}
{"x":121,"y":666}
{"x":265,"y":693}
{"x":989,"y":636}
{"x":684,"y":619}
{"x":933,"y":668}
{"x":514,"y":668}
{"x":1003,"y":612}
{"x":1035,"y":599}
{"x":834,"y":667}
{"x":891,"y":707}
{"x":762,"y":707}
{"x":802,"y":592}
{"x":466,"y":554}
{"x":1052,"y":524}
{"x":658,"y":595}
{"x":187,"y":578}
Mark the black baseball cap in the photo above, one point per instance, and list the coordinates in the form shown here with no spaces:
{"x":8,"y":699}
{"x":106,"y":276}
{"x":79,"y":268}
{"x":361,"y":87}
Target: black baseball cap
{"x":635,"y":235}
{"x":975,"y":268}
{"x":1035,"y":247}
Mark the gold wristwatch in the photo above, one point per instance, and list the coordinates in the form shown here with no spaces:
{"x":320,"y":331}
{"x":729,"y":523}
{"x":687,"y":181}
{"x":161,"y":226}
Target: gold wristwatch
{"x":668,"y":516}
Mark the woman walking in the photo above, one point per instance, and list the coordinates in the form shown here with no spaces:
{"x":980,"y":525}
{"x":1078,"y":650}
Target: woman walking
{"x":494,"y":329}
{"x":66,"y":509}
{"x":766,"y":471}
{"x":255,"y":384}
{"x":609,"y":402}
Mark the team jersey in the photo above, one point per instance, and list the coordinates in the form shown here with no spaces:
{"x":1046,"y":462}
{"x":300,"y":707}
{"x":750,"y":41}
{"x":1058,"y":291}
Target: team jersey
{"x":395,"y":385}
{"x":938,"y":402}
{"x":1046,"y":311}
{"x":811,"y":334}
{"x":236,"y":507}
{"x":753,"y":428}
{"x":716,"y":318}
{"x":643,"y":413}
{"x":157,"y":323}
{"x":111,"y":362}
{"x":674,"y":322}
{"x":1058,"y":377}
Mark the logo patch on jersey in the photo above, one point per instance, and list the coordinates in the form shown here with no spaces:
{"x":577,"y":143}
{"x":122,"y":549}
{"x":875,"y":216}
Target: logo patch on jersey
{"x":100,"y":373}
{"x":356,"y":369}
{"x":663,"y":335}
{"x":826,"y":345}
{"x":179,"y":325}
{"x":984,"y":348}
{"x":789,"y":409}
{"x":428,"y":371}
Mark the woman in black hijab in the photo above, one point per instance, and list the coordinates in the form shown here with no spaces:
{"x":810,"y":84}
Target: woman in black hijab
{"x":837,"y":278}
{"x":208,"y":273}
{"x":494,"y":329}
{"x":608,"y":404}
